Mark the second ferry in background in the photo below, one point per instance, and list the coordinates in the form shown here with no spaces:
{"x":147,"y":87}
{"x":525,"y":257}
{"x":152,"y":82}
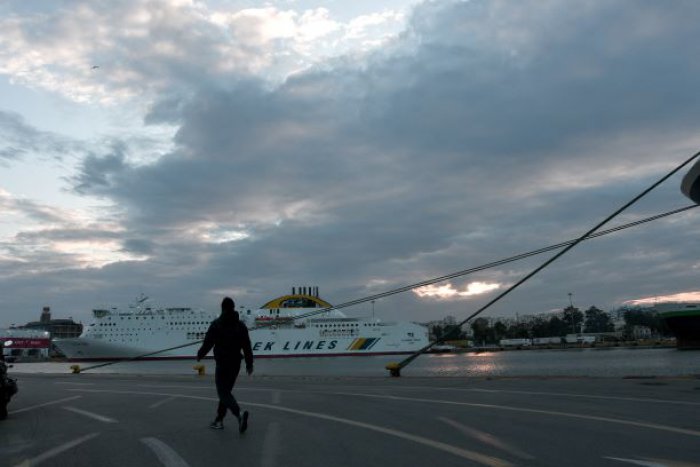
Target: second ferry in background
{"x":292,"y":325}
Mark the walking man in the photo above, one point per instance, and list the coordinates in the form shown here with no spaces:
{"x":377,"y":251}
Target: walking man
{"x":228,"y":336}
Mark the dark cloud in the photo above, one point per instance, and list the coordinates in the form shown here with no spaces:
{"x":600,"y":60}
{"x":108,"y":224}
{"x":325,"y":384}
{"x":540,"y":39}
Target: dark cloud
{"x":97,"y":173}
{"x":19,"y":140}
{"x":486,"y":130}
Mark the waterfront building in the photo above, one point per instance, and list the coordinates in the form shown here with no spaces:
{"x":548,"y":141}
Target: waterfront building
{"x":60,"y":328}
{"x":26,"y":343}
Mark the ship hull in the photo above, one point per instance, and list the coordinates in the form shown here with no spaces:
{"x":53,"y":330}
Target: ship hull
{"x":392,"y":339}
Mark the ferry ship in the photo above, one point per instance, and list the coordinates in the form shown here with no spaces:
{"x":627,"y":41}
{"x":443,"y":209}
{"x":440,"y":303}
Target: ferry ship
{"x":300,"y":324}
{"x":683,"y":319}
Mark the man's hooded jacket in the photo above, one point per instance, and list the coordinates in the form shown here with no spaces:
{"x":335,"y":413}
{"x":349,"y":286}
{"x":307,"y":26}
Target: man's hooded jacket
{"x":228,"y":336}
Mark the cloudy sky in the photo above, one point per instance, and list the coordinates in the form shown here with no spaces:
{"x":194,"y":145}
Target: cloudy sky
{"x":194,"y":149}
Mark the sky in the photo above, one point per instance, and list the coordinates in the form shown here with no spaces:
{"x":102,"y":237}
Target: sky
{"x":190,"y":150}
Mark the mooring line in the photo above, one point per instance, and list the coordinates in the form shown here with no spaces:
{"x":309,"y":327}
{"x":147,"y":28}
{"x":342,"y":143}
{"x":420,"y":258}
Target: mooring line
{"x":435,"y":280}
{"x":395,"y":368}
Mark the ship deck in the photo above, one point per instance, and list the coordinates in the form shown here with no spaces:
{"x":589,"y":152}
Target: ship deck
{"x":102,"y":419}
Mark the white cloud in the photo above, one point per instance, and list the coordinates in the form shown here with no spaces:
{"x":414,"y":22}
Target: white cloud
{"x":450,"y":292}
{"x":144,"y":47}
{"x":691,"y":296}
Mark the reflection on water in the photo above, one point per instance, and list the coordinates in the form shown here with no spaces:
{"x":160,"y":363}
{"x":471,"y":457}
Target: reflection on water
{"x":580,"y":362}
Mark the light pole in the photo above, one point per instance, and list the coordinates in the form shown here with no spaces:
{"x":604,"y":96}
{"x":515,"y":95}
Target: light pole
{"x":571,"y":307}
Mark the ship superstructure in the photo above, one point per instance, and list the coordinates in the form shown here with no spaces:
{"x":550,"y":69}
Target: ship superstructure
{"x":300,"y":324}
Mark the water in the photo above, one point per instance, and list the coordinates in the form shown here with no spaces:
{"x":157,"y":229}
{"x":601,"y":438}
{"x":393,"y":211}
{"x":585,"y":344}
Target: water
{"x":616,"y":362}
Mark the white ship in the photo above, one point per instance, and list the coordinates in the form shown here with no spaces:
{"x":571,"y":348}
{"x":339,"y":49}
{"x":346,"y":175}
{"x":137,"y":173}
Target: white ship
{"x":288,"y":326}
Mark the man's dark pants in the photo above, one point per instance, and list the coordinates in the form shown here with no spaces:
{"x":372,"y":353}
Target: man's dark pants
{"x":225,"y":378}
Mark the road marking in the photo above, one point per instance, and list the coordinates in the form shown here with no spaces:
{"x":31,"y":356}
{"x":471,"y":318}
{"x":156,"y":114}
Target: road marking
{"x":585,"y":396}
{"x":74,"y":383}
{"x":457,"y":451}
{"x":208,"y":386}
{"x":161,"y":402}
{"x":270,"y":445}
{"x":620,"y":421}
{"x":486,"y":438}
{"x":165,"y":454}
{"x":38,"y":406}
{"x":92,"y":415}
{"x":636,"y":462}
{"x":655,"y":462}
{"x":56,"y":451}
{"x":533,"y":393}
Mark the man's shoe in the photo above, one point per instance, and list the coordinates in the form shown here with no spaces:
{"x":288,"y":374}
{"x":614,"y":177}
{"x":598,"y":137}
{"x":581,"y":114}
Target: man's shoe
{"x":243,"y":422}
{"x":217,"y":425}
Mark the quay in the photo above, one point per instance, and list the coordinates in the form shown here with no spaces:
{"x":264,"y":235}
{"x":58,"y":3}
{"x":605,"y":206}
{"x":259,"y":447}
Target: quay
{"x":162,"y":420}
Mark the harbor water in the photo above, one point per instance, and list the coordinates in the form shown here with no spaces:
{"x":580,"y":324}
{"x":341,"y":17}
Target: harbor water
{"x":614,"y":362}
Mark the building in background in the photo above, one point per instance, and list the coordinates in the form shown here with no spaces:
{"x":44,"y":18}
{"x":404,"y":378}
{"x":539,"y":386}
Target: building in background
{"x":26,"y":344}
{"x":60,"y":328}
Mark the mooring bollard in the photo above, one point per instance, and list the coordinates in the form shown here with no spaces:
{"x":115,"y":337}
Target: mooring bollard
{"x":394,"y":369}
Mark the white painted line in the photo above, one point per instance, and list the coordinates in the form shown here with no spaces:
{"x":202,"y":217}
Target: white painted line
{"x":72,"y":383}
{"x":533,"y":393}
{"x":161,"y":402}
{"x":271,"y":445}
{"x":159,"y":386}
{"x":38,"y":406}
{"x":201,"y":386}
{"x":486,"y":438}
{"x":457,"y":451}
{"x":56,"y":451}
{"x":165,"y":454}
{"x":92,"y":415}
{"x":586,"y":396}
{"x":620,"y":421}
{"x":636,"y":462}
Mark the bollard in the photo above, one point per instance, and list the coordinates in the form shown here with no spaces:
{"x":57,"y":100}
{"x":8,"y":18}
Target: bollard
{"x":394,"y":369}
{"x":200,"y":369}
{"x":75,"y":369}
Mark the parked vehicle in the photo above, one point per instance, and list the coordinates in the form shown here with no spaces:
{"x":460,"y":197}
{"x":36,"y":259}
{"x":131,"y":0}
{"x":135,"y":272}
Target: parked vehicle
{"x":8,"y":386}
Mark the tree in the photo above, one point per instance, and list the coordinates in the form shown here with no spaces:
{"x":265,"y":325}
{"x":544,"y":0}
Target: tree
{"x":558,"y":327}
{"x":573,"y":317}
{"x":650,"y":319}
{"x":480,"y":328}
{"x":598,"y":321}
{"x":500,"y":330}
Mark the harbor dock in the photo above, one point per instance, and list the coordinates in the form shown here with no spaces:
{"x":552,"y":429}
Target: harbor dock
{"x":152,"y":420}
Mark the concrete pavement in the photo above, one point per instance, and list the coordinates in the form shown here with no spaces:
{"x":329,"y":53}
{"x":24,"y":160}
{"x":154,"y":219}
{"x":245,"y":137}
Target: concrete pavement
{"x":98,"y":419}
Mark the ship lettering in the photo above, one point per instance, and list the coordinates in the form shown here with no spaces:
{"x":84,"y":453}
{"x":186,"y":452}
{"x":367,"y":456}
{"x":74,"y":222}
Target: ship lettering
{"x":257,"y":346}
{"x":297,"y":346}
{"x":331,"y":345}
{"x":268,"y":346}
{"x":286,"y":346}
{"x":308,"y":345}
{"x":320,"y":345}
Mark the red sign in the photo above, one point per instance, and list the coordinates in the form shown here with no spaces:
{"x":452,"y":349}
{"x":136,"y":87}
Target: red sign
{"x":29,"y":343}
